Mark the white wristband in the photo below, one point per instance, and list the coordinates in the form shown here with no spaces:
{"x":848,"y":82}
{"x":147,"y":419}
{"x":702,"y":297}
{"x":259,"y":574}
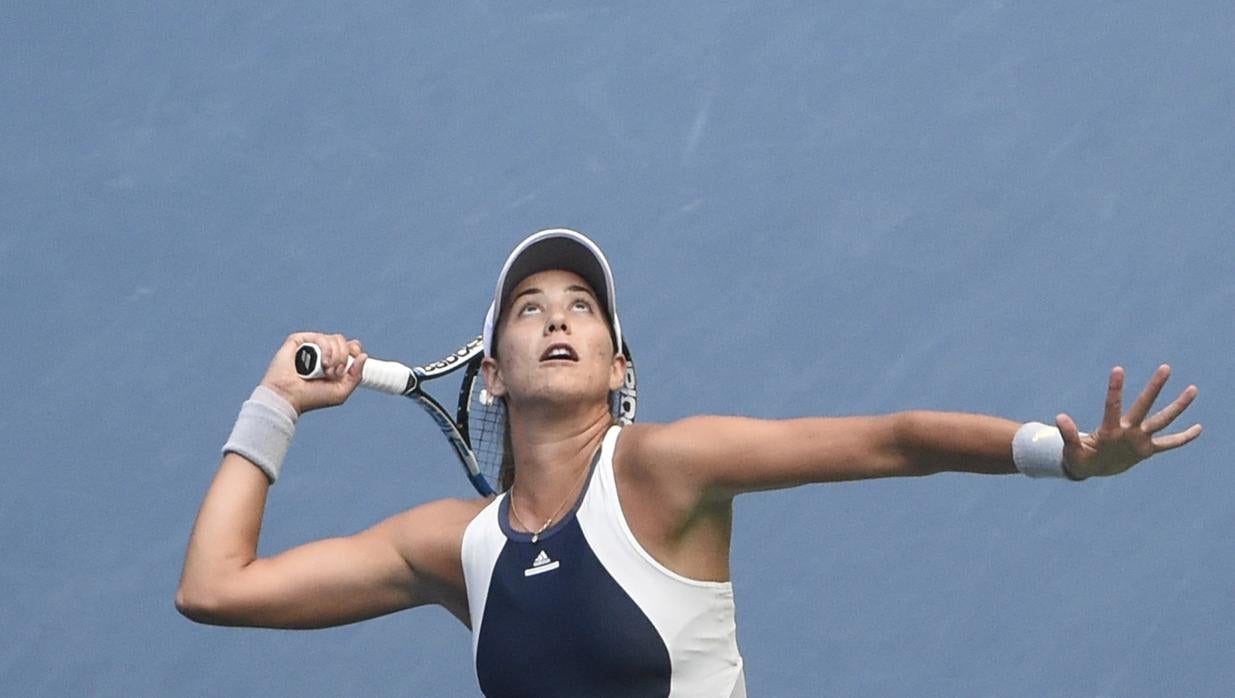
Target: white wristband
{"x":1037,"y":451}
{"x":263,"y":431}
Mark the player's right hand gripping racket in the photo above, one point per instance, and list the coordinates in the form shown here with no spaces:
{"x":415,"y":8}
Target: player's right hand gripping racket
{"x":477,"y":430}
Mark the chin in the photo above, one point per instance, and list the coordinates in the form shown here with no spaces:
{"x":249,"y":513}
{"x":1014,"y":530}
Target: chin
{"x":566,"y":395}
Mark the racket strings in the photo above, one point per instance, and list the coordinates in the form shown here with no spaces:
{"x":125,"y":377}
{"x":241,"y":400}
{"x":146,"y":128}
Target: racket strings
{"x":487,"y":429}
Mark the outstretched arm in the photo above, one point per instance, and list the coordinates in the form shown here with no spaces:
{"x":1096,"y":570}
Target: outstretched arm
{"x":724,"y":456}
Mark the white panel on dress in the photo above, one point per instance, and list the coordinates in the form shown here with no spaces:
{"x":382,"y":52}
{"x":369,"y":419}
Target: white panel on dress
{"x":694,"y":618}
{"x":483,"y":541}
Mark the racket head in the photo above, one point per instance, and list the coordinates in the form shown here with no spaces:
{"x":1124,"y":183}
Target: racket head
{"x":482,"y":419}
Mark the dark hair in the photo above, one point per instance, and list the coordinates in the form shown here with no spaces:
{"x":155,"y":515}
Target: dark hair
{"x":506,"y":474}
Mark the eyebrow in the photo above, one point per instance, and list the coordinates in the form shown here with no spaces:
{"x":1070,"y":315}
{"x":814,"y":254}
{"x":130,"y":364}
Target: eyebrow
{"x":531,"y":290}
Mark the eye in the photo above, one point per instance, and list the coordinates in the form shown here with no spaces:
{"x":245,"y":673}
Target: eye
{"x":581,"y":305}
{"x":529,"y":309}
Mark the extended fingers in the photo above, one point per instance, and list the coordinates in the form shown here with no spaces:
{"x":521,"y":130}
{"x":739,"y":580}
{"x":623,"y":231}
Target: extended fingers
{"x":1114,"y":400}
{"x":1167,"y":414}
{"x":1166,"y":443}
{"x":1145,"y":401}
{"x":1068,"y":430}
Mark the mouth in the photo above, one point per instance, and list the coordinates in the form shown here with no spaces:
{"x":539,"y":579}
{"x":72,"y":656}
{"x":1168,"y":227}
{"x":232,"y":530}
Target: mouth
{"x":559,"y":352}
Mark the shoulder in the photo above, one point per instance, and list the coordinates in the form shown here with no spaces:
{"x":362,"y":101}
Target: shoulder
{"x":442,"y":517}
{"x":674,"y":454}
{"x":724,"y":456}
{"x":684,"y":442}
{"x":429,"y":536}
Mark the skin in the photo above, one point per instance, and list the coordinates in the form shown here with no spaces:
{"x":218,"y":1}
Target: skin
{"x":676,"y":482}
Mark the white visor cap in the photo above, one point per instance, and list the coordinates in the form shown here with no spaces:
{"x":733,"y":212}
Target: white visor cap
{"x":556,"y":248}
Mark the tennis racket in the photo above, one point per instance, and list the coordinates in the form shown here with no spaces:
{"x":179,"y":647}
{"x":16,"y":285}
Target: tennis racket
{"x":477,"y":429}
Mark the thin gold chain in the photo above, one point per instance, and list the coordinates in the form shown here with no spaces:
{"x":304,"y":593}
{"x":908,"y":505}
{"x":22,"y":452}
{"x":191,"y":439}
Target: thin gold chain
{"x":548,"y":521}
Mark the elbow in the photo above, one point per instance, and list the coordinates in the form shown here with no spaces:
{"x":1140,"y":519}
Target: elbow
{"x":907,"y":445}
{"x":200,"y":606}
{"x":192,"y":605}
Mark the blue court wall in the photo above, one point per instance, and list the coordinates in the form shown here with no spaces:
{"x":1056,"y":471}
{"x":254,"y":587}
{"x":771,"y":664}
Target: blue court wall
{"x":813,"y":209}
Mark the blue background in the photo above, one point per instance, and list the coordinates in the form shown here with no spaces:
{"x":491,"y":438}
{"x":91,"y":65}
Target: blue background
{"x":812,"y":208}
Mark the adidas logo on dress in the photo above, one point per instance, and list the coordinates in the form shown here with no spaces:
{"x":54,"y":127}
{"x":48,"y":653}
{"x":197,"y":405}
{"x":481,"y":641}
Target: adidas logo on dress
{"x":543,"y":563}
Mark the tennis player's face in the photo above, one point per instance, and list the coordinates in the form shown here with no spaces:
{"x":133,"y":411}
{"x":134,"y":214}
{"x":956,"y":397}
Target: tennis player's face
{"x":554,"y":342}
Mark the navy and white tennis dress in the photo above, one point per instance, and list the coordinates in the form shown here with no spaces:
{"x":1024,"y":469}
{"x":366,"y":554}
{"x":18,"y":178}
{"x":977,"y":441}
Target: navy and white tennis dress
{"x":586,"y":611}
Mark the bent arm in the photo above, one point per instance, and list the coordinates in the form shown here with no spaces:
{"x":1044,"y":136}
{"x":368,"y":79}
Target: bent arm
{"x":402,"y":562}
{"x":730,"y":455}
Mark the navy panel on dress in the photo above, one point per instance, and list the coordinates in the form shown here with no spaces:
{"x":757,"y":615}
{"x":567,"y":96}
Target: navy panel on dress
{"x":567,"y":631}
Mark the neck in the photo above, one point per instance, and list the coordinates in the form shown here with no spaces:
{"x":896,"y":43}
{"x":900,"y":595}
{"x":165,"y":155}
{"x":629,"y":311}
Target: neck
{"x":551,"y":452}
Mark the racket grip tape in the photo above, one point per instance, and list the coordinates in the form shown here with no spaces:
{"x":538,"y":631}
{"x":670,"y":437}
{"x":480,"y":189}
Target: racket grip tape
{"x":385,"y":376}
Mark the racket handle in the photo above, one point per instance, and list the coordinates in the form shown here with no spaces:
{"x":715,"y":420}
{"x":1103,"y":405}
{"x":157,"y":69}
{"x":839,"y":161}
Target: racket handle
{"x":385,"y":376}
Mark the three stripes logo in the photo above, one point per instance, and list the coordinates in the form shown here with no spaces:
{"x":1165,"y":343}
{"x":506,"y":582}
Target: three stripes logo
{"x":543,"y":563}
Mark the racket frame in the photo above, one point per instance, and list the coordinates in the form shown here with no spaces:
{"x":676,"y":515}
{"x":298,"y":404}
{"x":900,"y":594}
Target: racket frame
{"x":395,"y":378}
{"x":469,"y":358}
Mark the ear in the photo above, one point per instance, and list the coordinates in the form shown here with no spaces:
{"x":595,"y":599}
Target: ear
{"x":617,"y":371}
{"x":493,"y":377}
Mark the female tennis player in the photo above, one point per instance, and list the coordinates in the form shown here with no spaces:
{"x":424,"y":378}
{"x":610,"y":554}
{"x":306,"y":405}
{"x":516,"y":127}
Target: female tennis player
{"x":604,"y":569}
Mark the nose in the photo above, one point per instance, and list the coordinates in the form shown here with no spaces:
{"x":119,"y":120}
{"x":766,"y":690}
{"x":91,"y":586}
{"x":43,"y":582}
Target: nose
{"x":556,"y":322}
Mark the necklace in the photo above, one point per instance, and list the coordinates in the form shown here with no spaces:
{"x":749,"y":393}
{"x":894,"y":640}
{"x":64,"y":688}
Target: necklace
{"x":548,"y":521}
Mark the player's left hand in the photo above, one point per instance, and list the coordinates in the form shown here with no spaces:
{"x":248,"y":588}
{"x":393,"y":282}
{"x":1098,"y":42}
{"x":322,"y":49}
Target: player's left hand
{"x":1125,"y":439}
